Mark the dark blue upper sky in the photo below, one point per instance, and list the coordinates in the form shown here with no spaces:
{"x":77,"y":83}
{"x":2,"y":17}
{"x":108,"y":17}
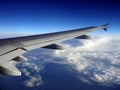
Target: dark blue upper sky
{"x":40,"y":16}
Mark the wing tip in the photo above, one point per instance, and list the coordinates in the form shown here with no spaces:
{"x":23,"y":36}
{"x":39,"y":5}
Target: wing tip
{"x":105,"y":26}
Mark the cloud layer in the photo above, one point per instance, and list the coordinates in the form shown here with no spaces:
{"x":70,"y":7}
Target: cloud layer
{"x":98,"y":59}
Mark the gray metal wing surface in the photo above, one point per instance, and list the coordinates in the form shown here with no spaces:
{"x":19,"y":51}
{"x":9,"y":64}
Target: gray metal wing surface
{"x":11,"y":49}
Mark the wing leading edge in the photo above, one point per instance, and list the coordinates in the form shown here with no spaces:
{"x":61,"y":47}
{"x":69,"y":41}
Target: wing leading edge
{"x":11,"y":49}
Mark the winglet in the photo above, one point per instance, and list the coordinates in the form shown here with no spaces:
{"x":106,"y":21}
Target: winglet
{"x":105,"y":27}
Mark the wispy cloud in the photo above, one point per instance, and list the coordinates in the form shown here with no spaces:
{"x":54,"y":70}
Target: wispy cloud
{"x":33,"y":81}
{"x":9,"y":35}
{"x":31,"y":71}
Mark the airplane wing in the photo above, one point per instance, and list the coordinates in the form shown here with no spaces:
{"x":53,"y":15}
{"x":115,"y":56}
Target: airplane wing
{"x":11,"y":49}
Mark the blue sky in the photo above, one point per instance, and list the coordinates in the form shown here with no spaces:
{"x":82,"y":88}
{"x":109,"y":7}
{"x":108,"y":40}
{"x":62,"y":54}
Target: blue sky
{"x":44,"y":16}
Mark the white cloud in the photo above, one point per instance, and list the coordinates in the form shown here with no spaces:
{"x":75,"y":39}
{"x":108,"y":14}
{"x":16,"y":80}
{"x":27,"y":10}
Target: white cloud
{"x":31,"y":71}
{"x":25,"y":71}
{"x":33,"y":81}
{"x":98,"y":59}
{"x":9,"y":35}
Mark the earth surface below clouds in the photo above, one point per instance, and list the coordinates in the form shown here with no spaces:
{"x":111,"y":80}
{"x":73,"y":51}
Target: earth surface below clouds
{"x":85,"y":64}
